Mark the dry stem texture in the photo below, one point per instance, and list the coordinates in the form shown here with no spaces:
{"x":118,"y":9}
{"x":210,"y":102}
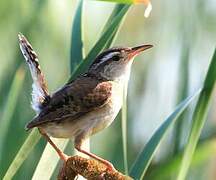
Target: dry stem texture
{"x":90,"y":169}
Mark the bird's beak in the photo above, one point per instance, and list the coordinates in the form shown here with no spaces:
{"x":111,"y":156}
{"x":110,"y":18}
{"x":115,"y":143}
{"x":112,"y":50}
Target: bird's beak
{"x":138,"y":49}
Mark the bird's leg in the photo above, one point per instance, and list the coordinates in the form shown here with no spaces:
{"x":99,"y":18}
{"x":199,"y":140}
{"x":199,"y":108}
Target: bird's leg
{"x":78,"y":142}
{"x":62,"y":156}
{"x":107,"y":163}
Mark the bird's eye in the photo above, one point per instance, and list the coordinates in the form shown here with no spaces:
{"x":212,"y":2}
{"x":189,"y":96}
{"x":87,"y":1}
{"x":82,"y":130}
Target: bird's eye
{"x":115,"y":58}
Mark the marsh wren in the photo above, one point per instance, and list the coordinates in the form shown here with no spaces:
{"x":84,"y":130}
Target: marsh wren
{"x":84,"y":106}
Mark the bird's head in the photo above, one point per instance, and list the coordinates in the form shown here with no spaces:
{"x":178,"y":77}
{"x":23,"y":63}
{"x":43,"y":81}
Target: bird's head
{"x":115,"y":63}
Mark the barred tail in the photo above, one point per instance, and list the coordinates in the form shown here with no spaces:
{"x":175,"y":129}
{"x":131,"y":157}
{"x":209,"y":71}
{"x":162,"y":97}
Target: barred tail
{"x":40,"y":94}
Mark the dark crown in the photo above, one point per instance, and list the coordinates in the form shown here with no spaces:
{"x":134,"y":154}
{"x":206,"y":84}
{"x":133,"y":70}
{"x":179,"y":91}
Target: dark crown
{"x":111,"y":54}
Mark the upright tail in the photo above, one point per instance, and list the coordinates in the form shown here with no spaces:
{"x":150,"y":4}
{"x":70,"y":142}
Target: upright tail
{"x":40,"y":94}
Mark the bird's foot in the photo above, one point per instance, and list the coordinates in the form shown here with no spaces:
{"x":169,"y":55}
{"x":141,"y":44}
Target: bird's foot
{"x":108,"y":164}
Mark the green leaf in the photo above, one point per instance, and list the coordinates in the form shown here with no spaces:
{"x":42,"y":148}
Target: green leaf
{"x":49,"y":159}
{"x":115,"y":12}
{"x":23,"y":153}
{"x":101,"y":43}
{"x":124,"y":129}
{"x":199,"y":118}
{"x":11,"y":102}
{"x":182,"y":93}
{"x":142,"y":162}
{"x":77,"y":38}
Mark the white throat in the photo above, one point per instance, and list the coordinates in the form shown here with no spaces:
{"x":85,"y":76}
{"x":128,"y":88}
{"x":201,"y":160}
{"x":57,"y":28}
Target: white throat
{"x":119,"y":73}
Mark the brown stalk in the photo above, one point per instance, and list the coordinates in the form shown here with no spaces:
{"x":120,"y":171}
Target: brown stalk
{"x":89,"y":169}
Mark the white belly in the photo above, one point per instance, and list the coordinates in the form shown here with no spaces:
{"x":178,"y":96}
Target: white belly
{"x":90,"y":123}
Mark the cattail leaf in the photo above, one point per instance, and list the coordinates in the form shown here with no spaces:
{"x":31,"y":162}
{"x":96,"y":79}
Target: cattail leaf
{"x":115,"y":12}
{"x":143,"y":160}
{"x":101,"y":43}
{"x":11,"y":102}
{"x":49,"y":160}
{"x":76,"y":52}
{"x":199,"y":118}
{"x":124,"y":129}
{"x":22,"y":154}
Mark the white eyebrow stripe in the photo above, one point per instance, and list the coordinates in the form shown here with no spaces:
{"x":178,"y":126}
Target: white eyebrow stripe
{"x":105,"y":58}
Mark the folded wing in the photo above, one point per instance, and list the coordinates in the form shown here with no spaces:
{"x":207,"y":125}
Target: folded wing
{"x":74,"y":100}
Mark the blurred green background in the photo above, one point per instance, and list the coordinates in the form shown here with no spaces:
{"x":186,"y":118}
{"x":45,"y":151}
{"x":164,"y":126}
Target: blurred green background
{"x":183,"y":34}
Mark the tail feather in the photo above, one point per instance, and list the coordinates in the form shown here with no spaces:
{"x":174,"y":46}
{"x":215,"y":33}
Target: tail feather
{"x":40,"y":94}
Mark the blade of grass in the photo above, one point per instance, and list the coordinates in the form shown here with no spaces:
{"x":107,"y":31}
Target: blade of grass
{"x":49,"y":160}
{"x":183,"y":90}
{"x":115,"y":12}
{"x":77,"y":38}
{"x":6,"y":80}
{"x":199,"y":118}
{"x":142,"y":162}
{"x":11,"y":102}
{"x":101,"y":43}
{"x":23,"y":153}
{"x":124,"y":129}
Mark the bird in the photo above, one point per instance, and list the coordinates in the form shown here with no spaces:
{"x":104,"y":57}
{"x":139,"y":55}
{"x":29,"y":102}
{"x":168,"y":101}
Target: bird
{"x":85,"y":105}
